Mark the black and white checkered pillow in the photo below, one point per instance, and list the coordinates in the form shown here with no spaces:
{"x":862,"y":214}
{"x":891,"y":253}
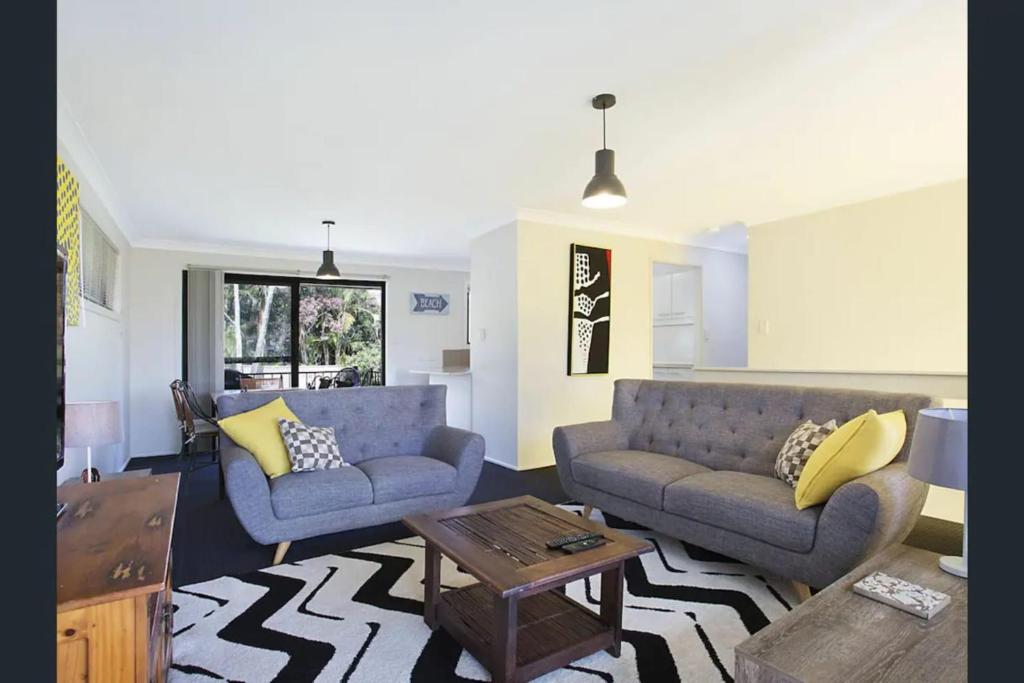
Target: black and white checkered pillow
{"x":310,"y":448}
{"x":797,"y":450}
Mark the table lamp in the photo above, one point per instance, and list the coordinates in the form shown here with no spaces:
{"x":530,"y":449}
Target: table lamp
{"x":938,"y":455}
{"x":89,"y":424}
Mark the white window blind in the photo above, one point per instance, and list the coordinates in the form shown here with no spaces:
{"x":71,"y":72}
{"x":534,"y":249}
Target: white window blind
{"x":99,"y":264}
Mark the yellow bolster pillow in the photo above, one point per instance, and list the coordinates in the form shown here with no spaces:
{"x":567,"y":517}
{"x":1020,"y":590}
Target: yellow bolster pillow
{"x":866,"y":443}
{"x":257,"y":431}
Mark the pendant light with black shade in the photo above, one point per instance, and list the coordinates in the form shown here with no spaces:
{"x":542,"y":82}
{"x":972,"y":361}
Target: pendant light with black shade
{"x":605,"y":190}
{"x":327,"y":269}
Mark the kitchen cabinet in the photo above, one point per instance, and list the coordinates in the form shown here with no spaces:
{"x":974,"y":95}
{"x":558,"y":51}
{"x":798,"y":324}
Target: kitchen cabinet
{"x":676,"y":297}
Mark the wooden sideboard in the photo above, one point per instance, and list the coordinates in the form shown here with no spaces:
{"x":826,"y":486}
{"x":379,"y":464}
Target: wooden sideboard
{"x":838,"y":635}
{"x":114,"y":611}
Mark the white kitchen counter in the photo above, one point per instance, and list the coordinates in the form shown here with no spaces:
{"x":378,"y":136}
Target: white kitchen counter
{"x":441,"y":371}
{"x":459,"y":400}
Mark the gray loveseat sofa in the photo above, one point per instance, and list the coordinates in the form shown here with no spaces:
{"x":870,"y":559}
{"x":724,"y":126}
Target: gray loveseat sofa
{"x":696,"y":460}
{"x":403,"y":457}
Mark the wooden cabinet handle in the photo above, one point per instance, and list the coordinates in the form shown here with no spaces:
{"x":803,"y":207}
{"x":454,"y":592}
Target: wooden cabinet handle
{"x":168,"y":617}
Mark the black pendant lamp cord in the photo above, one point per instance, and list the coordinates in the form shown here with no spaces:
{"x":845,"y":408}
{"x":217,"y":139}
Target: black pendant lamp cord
{"x":604,"y":130}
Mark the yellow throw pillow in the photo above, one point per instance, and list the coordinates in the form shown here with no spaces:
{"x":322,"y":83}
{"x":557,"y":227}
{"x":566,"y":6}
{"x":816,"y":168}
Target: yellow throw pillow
{"x":257,"y":432}
{"x":866,"y":443}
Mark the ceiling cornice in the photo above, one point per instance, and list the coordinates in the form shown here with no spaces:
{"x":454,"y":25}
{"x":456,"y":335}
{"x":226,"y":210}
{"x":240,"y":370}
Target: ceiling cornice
{"x":310,"y":256}
{"x":615,"y":227}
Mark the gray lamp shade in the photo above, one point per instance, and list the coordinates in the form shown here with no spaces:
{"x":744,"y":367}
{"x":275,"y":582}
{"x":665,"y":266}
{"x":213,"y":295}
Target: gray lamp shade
{"x":938,"y":453}
{"x":327,"y":269}
{"x":92,"y":423}
{"x":605,"y":190}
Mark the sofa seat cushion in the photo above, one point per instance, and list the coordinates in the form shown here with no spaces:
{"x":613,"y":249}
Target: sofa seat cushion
{"x":637,"y":475}
{"x":399,"y":477}
{"x":299,"y":494}
{"x":756,"y":506}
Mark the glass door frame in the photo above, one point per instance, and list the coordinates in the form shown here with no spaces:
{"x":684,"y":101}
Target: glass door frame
{"x":294,"y":284}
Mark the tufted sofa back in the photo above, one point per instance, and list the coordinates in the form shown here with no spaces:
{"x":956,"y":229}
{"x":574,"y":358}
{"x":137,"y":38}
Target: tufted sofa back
{"x":369,"y":422}
{"x":739,"y":427}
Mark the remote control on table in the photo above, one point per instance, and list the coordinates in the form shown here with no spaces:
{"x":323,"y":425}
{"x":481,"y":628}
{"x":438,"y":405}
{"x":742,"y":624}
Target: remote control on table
{"x":571,"y":538}
{"x":583,"y":545}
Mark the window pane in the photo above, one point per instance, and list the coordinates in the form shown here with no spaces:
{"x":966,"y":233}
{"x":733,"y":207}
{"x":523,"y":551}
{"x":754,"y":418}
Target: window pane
{"x":257,"y":335}
{"x":340,"y":327}
{"x":99,"y":264}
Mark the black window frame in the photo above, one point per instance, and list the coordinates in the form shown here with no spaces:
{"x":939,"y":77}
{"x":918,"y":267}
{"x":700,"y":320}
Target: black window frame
{"x":294,"y":283}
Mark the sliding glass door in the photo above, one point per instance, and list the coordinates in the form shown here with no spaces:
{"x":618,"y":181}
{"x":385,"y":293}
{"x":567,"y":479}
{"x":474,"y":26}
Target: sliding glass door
{"x":291,"y":332}
{"x":341,"y":326}
{"x":257,"y":333}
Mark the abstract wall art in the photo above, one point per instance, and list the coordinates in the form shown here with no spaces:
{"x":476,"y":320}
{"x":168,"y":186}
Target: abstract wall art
{"x":590,"y":307}
{"x":69,"y":239}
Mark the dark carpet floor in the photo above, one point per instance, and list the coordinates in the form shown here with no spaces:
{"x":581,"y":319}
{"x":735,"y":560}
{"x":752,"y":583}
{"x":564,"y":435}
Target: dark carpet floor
{"x":209,"y":542}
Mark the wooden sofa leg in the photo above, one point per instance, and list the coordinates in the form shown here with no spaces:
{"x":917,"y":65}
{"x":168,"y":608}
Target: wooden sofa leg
{"x":803,"y":591}
{"x":587,"y":509}
{"x":282,"y":548}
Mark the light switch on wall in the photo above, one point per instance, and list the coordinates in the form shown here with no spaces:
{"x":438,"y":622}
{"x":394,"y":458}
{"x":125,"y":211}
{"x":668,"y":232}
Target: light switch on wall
{"x":483,"y":334}
{"x":763,"y":327}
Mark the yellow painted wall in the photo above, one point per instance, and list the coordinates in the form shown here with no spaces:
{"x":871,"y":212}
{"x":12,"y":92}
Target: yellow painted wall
{"x":547,"y":396}
{"x":876,"y":286}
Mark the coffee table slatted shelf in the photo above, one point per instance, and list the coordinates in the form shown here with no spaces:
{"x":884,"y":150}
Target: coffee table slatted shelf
{"x":549,"y":624}
{"x":517,"y":621}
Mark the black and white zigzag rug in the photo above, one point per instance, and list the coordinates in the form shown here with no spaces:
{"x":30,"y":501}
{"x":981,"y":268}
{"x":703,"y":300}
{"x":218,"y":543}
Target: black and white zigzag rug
{"x":357,"y":617}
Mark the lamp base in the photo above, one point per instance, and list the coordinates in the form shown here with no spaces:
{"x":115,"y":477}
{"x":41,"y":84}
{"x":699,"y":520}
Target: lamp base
{"x":953,"y":564}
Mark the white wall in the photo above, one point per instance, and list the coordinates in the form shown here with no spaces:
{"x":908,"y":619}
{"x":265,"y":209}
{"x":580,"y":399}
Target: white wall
{"x":537,"y":266}
{"x":875,"y":286}
{"x":412,"y":341}
{"x":494,"y":355}
{"x":96,"y":350}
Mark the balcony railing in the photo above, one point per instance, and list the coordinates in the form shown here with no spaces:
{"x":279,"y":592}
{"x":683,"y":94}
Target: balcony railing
{"x":310,"y":378}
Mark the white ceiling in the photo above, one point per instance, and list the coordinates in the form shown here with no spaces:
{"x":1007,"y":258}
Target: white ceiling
{"x":416,"y":125}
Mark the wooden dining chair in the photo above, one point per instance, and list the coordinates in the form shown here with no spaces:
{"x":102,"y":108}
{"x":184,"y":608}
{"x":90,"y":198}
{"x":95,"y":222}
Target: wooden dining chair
{"x":267,"y":382}
{"x":192,"y":431}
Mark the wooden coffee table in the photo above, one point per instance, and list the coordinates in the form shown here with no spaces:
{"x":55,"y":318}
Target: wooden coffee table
{"x":517,"y":621}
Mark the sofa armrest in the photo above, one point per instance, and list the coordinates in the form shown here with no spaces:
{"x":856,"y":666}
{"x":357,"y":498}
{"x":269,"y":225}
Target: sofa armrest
{"x":881,"y":507}
{"x":462,"y":449}
{"x":248,"y":490}
{"x":571,"y":441}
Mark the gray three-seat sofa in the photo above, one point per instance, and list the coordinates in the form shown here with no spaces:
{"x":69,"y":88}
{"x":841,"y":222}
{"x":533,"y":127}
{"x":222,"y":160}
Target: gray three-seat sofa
{"x":403,"y":457}
{"x":696,"y":460}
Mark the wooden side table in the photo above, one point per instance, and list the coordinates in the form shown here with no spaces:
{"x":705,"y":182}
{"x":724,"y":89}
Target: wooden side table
{"x":838,"y":635}
{"x":114,"y":609}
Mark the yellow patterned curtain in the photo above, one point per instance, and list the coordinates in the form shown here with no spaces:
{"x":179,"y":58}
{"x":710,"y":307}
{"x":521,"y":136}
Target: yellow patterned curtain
{"x":69,"y":238}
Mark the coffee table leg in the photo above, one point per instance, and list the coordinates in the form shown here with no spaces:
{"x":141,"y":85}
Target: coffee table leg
{"x":431,"y":586}
{"x":611,"y":606}
{"x":503,"y":669}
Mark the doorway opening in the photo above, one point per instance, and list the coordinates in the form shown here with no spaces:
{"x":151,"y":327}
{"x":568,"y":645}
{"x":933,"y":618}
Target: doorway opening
{"x":677,"y":320}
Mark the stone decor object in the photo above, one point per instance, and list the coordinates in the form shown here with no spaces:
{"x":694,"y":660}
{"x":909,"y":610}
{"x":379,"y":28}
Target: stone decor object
{"x":903,"y":595}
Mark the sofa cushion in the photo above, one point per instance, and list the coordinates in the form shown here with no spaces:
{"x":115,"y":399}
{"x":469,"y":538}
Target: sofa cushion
{"x":408,"y":476}
{"x":860,"y":446}
{"x":256,"y":431}
{"x":637,"y":475}
{"x":298,"y":494}
{"x":757,"y":506}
